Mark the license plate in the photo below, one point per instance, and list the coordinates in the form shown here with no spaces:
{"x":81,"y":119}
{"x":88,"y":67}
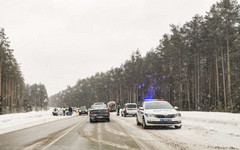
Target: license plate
{"x":99,"y":117}
{"x":165,"y":120}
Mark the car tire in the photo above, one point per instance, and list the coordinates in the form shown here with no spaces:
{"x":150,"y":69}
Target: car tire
{"x":144,"y":124}
{"x":138,"y":123}
{"x":178,"y":127}
{"x":91,"y":121}
{"x":108,"y":120}
{"x":124,"y":115}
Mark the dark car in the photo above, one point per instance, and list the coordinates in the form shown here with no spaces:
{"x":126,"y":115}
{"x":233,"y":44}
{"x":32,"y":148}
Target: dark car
{"x":83,"y":110}
{"x":99,"y":113}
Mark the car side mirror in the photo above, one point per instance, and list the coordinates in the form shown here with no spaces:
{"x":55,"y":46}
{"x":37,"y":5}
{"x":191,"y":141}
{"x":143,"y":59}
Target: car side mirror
{"x":175,"y":107}
{"x":141,"y":108}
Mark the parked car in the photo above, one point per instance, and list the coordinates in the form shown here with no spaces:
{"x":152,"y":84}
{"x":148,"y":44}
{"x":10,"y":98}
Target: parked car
{"x":83,"y":110}
{"x":129,"y":109}
{"x":99,"y":113}
{"x":156,"y":112}
{"x":111,"y":106}
{"x":57,"y":112}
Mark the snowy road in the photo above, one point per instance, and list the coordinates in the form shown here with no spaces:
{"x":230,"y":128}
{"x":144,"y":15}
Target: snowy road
{"x":200,"y":130}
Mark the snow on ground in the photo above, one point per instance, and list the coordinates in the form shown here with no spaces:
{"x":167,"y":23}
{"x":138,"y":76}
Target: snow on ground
{"x":200,"y":130}
{"x":17,"y":121}
{"x":225,"y":123}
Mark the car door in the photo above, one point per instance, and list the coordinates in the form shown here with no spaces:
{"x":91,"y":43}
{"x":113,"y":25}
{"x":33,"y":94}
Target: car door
{"x":139,"y":115}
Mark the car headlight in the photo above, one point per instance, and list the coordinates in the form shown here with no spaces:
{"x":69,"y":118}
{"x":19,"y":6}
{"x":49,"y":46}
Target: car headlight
{"x":150,"y":115}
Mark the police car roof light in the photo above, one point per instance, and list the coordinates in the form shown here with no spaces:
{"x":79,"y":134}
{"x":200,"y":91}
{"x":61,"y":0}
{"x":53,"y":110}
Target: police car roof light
{"x":147,"y":100}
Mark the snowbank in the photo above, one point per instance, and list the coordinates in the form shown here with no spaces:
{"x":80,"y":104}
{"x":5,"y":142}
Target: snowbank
{"x":226,"y":123}
{"x":200,"y":130}
{"x":17,"y":121}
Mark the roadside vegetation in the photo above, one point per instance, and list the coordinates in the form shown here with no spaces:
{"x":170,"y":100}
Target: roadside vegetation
{"x":15,"y":94}
{"x":195,"y":67}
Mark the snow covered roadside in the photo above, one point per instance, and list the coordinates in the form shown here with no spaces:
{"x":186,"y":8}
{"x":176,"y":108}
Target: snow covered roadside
{"x":225,"y":123}
{"x":200,"y":130}
{"x":17,"y":121}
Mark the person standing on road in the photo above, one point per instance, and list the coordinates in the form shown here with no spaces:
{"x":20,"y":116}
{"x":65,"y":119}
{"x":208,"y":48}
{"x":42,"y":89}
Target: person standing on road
{"x":64,"y":110}
{"x":70,"y":111}
{"x":118,"y":109}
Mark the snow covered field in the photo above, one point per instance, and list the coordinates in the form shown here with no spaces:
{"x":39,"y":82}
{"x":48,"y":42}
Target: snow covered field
{"x":17,"y":121}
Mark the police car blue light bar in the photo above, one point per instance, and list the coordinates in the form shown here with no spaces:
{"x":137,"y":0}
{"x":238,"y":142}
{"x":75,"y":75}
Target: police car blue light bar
{"x":153,"y":99}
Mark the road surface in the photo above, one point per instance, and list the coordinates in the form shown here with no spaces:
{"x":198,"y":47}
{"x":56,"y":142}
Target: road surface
{"x":120,"y":133}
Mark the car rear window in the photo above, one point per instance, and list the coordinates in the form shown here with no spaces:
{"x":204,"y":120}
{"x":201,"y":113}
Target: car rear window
{"x":131,"y":106}
{"x":112,"y":104}
{"x":99,"y":106}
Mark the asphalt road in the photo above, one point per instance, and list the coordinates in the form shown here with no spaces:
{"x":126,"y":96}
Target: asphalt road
{"x":76,"y":133}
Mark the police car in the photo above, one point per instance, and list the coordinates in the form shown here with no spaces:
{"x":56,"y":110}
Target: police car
{"x":157,"y":112}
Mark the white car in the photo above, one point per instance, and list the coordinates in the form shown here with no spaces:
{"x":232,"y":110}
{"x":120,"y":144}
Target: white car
{"x":129,"y":109}
{"x":158,"y":113}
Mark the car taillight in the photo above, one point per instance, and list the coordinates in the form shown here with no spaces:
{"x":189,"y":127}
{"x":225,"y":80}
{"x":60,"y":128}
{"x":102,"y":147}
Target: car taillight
{"x":125,"y":108}
{"x":91,"y":112}
{"x":107,"y":111}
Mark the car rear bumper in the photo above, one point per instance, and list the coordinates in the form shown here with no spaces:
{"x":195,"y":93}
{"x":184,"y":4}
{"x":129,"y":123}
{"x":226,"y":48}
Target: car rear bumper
{"x":131,"y":112}
{"x":99,"y":117}
{"x":84,"y":112}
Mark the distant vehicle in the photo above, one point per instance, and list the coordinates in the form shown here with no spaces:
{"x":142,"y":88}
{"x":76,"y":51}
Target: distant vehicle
{"x":129,"y":109}
{"x":58,"y":112}
{"x":99,"y":112}
{"x":83,"y":110}
{"x":111,"y":106}
{"x":157,"y":112}
{"x":99,"y":103}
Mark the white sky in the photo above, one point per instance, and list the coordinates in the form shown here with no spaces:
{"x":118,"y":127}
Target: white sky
{"x":58,"y":42}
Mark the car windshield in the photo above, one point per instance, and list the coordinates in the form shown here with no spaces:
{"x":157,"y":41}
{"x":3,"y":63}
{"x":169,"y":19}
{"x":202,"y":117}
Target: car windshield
{"x":158,"y":105}
{"x":98,"y":107}
{"x":131,"y":106}
{"x":83,"y":108}
{"x":99,"y":103}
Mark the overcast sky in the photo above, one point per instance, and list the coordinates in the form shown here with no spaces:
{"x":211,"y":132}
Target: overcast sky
{"x":58,"y":42}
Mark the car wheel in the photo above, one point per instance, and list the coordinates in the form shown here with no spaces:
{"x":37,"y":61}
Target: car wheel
{"x":91,"y":121}
{"x":144,"y":124}
{"x":178,"y":127}
{"x":124,"y":114}
{"x":138,"y":123}
{"x":108,"y":120}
